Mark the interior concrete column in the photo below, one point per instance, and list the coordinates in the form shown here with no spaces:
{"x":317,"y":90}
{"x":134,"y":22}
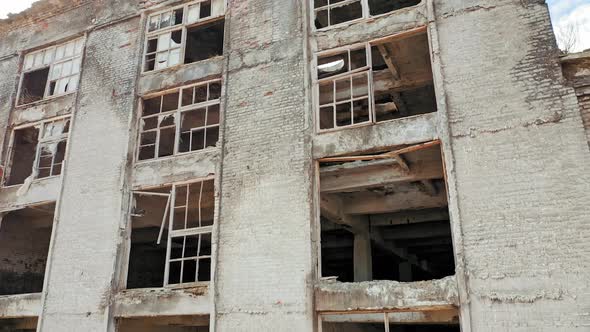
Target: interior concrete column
{"x":362,"y":255}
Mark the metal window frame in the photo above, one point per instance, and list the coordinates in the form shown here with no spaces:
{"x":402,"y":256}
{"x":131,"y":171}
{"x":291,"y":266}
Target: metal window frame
{"x":368,"y":69}
{"x":51,"y":65}
{"x":172,"y":234}
{"x":177,"y":118}
{"x":184,"y":26}
{"x":40,"y":141}
{"x":329,"y":6}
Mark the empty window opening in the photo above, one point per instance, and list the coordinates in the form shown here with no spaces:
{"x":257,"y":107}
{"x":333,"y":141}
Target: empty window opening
{"x":333,"y":12}
{"x":204,"y":41}
{"x":50,"y":72}
{"x":185,"y":34}
{"x":38,"y":151}
{"x":371,"y":83}
{"x":437,"y":321}
{"x":24,"y":243}
{"x":384,"y":216}
{"x":378,"y":7}
{"x":28,"y":324}
{"x":171,"y":235}
{"x":164,"y":324}
{"x":180,"y":121}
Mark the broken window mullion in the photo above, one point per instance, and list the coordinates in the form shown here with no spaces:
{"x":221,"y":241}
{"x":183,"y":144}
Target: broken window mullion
{"x":170,"y":231}
{"x":191,"y":231}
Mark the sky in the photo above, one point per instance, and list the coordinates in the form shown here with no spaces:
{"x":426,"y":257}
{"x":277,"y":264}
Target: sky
{"x":563,"y":13}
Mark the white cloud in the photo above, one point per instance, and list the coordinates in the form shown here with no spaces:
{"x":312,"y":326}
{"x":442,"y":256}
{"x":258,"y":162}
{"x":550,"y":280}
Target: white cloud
{"x":13,"y":6}
{"x":580,"y":17}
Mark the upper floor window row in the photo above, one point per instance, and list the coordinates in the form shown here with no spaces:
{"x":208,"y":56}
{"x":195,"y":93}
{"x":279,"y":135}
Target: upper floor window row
{"x":184,"y":34}
{"x":329,"y":13}
{"x":51,"y":72}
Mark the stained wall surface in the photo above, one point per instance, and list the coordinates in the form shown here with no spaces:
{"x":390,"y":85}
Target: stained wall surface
{"x":520,"y":166}
{"x":264,"y":271}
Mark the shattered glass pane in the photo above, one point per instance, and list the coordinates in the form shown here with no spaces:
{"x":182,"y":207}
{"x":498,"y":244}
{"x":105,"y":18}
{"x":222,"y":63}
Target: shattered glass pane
{"x":154,"y":23}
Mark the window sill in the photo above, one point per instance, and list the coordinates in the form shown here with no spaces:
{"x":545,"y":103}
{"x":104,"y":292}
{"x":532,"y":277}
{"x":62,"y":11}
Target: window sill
{"x":44,"y":101}
{"x":147,"y":161}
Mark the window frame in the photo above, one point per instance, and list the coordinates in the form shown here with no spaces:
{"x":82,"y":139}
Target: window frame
{"x":168,"y":219}
{"x":50,"y":66}
{"x":63,"y":137}
{"x":178,"y":112}
{"x":329,"y":6}
{"x":366,"y":14}
{"x":183,"y":27}
{"x":368,"y":69}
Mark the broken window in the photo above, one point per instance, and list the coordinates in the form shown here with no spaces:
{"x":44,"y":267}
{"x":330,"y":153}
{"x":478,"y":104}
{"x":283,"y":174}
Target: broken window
{"x":164,"y":323}
{"x":24,"y":244}
{"x":183,"y":214}
{"x":374,"y":82}
{"x":51,"y":72}
{"x":333,"y":12}
{"x":384,"y":216}
{"x":185,"y":34}
{"x":38,"y":151}
{"x":442,"y":321}
{"x":180,"y":121}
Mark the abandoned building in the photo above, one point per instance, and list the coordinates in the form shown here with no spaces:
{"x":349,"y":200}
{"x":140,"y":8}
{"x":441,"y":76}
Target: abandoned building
{"x":292,"y":165}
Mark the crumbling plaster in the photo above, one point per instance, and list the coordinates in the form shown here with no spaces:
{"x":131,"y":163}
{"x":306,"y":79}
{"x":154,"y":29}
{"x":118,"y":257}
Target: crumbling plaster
{"x":40,"y":191}
{"x":24,"y":305}
{"x":405,"y":131}
{"x":334,"y":296}
{"x":162,"y":302}
{"x":371,"y":28}
{"x":192,"y":165}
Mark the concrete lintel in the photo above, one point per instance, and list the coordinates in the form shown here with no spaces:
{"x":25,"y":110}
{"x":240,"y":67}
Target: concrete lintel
{"x":175,"y":169}
{"x":22,"y":305}
{"x":43,"y":110}
{"x":410,"y":130}
{"x":179,"y":76}
{"x":373,"y":296}
{"x":41,"y":191}
{"x":443,"y":316}
{"x":151,"y":302}
{"x":372,"y":28}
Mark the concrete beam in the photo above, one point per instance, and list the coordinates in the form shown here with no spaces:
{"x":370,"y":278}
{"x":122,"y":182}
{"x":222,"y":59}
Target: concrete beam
{"x":406,"y":131}
{"x":175,"y":77}
{"x":176,"y":168}
{"x":39,"y":111}
{"x":150,"y":302}
{"x":417,"y":231}
{"x":375,"y":174}
{"x":40,"y":191}
{"x":412,"y":199}
{"x":443,"y":316}
{"x":372,"y":296}
{"x":397,"y":22}
{"x":409,"y":217}
{"x":22,"y":305}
